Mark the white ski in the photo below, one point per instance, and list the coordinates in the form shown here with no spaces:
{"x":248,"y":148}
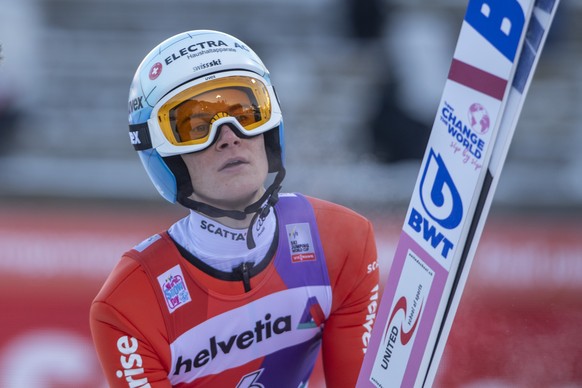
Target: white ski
{"x":477,"y":116}
{"x":537,"y":31}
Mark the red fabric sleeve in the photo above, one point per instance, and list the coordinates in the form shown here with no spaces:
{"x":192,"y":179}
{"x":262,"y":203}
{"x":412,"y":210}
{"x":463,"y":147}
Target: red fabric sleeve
{"x":350,"y":250}
{"x":128,"y":330}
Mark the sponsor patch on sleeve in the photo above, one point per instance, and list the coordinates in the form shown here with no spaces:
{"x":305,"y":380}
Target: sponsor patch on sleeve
{"x":174,"y":288}
{"x":300,"y":242}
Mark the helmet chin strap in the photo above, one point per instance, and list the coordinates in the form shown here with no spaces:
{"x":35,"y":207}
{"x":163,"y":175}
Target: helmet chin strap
{"x":260,"y":208}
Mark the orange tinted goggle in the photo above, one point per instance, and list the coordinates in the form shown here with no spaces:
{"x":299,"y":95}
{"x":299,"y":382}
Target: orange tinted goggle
{"x":188,"y":117}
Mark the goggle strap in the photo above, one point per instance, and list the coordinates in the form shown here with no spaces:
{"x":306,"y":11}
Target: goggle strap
{"x":139,"y":134}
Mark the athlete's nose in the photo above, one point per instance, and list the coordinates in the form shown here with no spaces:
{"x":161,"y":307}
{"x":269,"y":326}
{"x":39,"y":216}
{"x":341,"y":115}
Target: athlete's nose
{"x":227,"y":137}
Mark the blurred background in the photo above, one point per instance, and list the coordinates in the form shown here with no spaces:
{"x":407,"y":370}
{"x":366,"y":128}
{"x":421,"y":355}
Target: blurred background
{"x":359,"y":83}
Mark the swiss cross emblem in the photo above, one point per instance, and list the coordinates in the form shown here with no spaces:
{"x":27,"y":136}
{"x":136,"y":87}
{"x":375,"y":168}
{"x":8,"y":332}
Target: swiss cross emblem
{"x":155,"y":71}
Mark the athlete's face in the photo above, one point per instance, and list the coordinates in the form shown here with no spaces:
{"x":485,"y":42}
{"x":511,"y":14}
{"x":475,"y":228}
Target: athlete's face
{"x":230,"y":174}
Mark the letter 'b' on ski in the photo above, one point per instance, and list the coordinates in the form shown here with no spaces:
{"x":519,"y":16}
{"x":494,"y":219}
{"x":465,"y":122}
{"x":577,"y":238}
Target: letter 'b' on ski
{"x":501,"y":22}
{"x":493,"y":64}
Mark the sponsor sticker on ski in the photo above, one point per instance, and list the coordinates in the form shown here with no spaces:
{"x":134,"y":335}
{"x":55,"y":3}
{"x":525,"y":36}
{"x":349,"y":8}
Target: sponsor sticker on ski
{"x":437,"y":211}
{"x":400,"y":331}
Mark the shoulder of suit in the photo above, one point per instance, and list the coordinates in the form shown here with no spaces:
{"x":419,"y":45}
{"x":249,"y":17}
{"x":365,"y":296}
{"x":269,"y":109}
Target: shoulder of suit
{"x":323,"y":208}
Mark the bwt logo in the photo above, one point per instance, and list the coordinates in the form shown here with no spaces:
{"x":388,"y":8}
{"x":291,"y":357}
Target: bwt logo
{"x":438,"y":194}
{"x":441,"y":201}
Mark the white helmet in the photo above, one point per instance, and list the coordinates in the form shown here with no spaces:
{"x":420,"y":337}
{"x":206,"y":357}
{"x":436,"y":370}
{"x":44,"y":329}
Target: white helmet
{"x":174,"y":74}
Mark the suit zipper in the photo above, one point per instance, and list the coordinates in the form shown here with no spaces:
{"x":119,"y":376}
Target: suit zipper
{"x":244,"y":269}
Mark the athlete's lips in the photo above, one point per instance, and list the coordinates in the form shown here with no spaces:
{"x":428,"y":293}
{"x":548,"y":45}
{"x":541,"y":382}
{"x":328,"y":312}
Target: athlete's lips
{"x":233,"y":162}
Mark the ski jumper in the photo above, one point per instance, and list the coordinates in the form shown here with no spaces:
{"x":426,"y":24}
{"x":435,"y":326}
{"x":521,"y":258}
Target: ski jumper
{"x":162,"y":319}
